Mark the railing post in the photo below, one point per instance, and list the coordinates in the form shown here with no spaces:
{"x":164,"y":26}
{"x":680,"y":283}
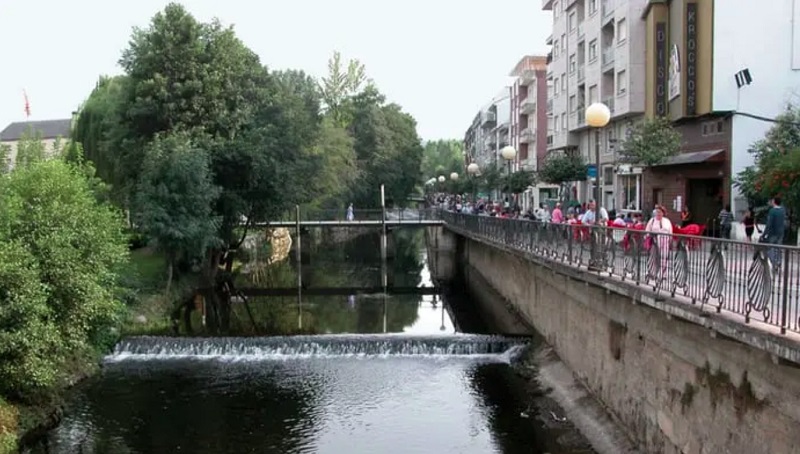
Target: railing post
{"x":785,"y":294}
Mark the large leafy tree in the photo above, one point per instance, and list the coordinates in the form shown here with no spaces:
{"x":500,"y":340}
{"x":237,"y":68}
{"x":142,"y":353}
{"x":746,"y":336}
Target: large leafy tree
{"x":562,"y":169}
{"x":777,"y":165}
{"x":650,"y":142}
{"x":339,"y":87}
{"x":256,"y":131}
{"x":60,"y":248}
{"x":442,"y":157}
{"x":175,"y":198}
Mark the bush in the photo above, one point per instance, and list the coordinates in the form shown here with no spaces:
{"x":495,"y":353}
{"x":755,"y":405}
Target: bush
{"x":9,"y":423}
{"x":59,"y":252}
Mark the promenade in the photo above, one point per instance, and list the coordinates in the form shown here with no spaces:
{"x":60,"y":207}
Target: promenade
{"x":731,"y":279}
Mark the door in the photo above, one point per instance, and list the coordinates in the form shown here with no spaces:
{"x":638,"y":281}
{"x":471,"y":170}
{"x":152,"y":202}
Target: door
{"x":704,"y":202}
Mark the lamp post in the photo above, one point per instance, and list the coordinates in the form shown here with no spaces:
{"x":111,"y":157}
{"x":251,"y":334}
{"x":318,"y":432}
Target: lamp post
{"x":472,"y":171}
{"x":454,"y":176}
{"x":597,"y":116}
{"x":508,"y":153}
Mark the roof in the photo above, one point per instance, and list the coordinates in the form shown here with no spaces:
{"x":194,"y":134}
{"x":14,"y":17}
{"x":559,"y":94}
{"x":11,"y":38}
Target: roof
{"x":50,"y":129}
{"x":691,"y":158}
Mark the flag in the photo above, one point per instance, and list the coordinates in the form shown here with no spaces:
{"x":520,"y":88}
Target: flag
{"x":27,"y":104}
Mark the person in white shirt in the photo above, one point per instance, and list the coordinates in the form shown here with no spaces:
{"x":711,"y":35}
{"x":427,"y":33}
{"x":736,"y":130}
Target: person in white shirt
{"x":661,"y":226}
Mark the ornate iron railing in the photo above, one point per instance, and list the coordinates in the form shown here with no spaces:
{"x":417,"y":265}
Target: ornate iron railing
{"x":759,"y":282}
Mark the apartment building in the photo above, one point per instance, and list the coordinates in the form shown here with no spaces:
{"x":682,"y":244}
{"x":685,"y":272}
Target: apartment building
{"x":598,"y":55}
{"x":529,"y":104}
{"x":489,"y":131}
{"x":705,"y":67}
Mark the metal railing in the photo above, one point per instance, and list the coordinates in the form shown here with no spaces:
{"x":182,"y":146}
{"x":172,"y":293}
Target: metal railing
{"x":756,"y":282}
{"x":608,"y":56}
{"x":407,"y":215}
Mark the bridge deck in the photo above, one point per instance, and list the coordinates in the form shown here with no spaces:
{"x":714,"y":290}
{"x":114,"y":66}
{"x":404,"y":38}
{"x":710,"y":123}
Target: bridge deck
{"x":344,"y":291}
{"x":370,"y":223}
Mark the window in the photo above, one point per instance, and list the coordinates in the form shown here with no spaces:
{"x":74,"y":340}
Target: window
{"x":622,"y":30}
{"x":608,"y":175}
{"x":555,"y":51}
{"x":622,"y":82}
{"x":564,"y":42}
{"x":593,"y":94}
{"x":563,"y":82}
{"x":712,"y":128}
{"x":611,"y":141}
{"x":592,"y":6}
{"x":573,"y":21}
{"x":572,"y":64}
{"x":564,"y":121}
{"x":592,"y":50}
{"x":555,"y":125}
{"x":555,"y":87}
{"x":573,"y":104}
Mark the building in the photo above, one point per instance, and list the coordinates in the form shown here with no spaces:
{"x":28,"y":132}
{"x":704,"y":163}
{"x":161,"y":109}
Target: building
{"x":598,"y":55}
{"x":50,"y":130}
{"x":529,"y":110}
{"x":704,"y":69}
{"x":489,"y":131}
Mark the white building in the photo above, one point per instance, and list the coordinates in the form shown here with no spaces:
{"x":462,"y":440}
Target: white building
{"x":50,"y":132}
{"x":764,"y":38}
{"x":598,"y":55}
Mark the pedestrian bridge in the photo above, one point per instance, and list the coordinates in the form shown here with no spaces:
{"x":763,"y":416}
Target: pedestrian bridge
{"x":400,"y":217}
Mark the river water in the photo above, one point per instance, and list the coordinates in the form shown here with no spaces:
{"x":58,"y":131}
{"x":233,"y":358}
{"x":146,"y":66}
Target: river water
{"x":339,"y":374}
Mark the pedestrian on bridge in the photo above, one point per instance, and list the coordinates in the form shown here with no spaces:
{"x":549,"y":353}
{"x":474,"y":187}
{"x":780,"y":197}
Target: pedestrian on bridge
{"x":350,"y":215}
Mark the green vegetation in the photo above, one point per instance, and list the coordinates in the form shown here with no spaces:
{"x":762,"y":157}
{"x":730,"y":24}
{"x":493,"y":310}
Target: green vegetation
{"x":777,"y":166}
{"x":562,"y":169}
{"x":650,"y":142}
{"x":168,"y":159}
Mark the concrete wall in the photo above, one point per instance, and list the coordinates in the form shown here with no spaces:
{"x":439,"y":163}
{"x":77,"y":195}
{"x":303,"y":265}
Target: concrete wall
{"x":673,"y":386}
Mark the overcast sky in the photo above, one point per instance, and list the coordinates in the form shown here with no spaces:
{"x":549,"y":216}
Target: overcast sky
{"x":440,"y":59}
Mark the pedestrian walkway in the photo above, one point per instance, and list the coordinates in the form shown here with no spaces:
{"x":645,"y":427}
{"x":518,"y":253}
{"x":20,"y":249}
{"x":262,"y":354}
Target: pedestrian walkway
{"x":735,"y":280}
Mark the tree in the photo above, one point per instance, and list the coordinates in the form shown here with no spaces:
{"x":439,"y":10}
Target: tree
{"x":650,"y":142}
{"x":518,"y":182}
{"x":257,"y":129}
{"x":562,"y":169}
{"x":5,"y":158}
{"x":175,"y":197}
{"x":60,"y":252}
{"x":776,"y":168}
{"x":340,"y":86}
{"x":491,"y":177}
{"x":442,"y":157}
{"x":31,"y":148}
{"x":339,"y":166}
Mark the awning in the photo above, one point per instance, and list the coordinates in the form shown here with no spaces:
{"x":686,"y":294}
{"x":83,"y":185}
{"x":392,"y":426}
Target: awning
{"x":690,"y":158}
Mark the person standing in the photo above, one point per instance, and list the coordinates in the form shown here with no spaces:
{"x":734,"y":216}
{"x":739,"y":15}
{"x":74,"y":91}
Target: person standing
{"x":774,"y":231}
{"x":725,"y":222}
{"x":661,"y":227}
{"x":350,"y":214}
{"x":749,"y":222}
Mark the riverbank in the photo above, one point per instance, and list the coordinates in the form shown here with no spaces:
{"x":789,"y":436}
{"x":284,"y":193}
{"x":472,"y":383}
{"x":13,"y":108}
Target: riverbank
{"x":562,"y":403}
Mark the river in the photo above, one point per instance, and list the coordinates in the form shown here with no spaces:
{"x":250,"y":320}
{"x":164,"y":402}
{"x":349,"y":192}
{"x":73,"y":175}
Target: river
{"x":338,"y":374}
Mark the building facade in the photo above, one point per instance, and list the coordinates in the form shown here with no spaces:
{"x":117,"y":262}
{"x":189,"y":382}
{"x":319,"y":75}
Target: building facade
{"x":50,"y":132}
{"x":598,"y":55}
{"x":490,"y":131}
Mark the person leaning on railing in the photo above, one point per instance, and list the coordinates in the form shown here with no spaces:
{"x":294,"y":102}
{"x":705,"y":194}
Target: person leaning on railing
{"x":661,"y":228}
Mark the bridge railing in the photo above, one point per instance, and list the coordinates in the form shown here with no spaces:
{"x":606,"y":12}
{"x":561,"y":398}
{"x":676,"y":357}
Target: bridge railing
{"x":752,"y":281}
{"x":366,"y":215}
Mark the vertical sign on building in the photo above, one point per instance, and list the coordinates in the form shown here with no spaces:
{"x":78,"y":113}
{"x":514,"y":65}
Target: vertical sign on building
{"x":691,"y":59}
{"x":661,"y":70}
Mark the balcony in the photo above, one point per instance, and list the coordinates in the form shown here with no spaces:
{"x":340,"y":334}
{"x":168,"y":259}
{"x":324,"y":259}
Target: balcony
{"x":608,"y":58}
{"x":581,"y":73}
{"x":609,"y":102}
{"x":488,"y":119}
{"x":502,"y":125}
{"x":550,"y":107}
{"x":527,"y":135}
{"x":581,"y":31}
{"x":528,"y":105}
{"x":549,"y":40}
{"x":607,"y":8}
{"x":527,"y":77}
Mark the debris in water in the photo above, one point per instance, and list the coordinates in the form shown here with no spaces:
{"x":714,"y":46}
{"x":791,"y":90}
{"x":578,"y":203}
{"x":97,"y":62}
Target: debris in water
{"x":558,"y":418}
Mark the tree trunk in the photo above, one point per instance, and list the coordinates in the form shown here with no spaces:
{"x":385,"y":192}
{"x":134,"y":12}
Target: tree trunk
{"x":170,"y":266}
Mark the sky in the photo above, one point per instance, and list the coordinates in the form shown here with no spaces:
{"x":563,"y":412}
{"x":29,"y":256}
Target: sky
{"x":441,"y":60}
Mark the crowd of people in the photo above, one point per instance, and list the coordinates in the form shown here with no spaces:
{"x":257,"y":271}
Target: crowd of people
{"x":657,"y":223}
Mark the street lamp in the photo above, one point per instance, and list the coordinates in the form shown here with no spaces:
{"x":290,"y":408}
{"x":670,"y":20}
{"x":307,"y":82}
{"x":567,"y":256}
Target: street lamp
{"x":441,"y":178}
{"x":597,"y":116}
{"x":472,"y":169}
{"x":454,"y":176}
{"x":508,"y":153}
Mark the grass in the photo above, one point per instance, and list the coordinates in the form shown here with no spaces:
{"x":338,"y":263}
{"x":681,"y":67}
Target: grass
{"x":9,"y":422}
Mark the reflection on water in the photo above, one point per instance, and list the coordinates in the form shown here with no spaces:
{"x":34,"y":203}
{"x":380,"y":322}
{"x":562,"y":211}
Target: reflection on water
{"x":402,"y":382}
